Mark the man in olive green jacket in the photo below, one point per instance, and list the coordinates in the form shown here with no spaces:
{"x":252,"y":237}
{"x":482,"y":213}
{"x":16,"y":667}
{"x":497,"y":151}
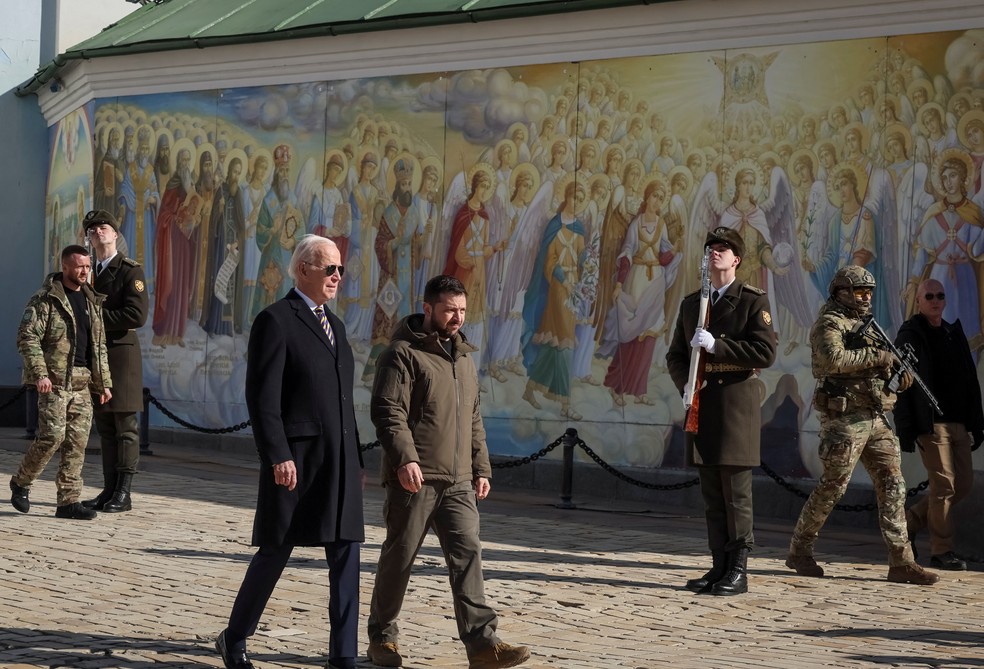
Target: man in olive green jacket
{"x":425,"y":406}
{"x":62,"y":341}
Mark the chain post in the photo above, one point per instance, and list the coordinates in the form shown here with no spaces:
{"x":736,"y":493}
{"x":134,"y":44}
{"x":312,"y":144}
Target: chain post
{"x":145,"y":424}
{"x":567,"y":490}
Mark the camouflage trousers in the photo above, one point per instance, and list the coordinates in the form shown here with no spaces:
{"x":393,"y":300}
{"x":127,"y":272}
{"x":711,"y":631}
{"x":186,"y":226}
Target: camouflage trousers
{"x":64,"y":419}
{"x":845,"y":438}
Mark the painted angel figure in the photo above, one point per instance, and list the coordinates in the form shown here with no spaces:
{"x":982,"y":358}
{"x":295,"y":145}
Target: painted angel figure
{"x":767,"y":225}
{"x":861,"y":230}
{"x":950,"y":243}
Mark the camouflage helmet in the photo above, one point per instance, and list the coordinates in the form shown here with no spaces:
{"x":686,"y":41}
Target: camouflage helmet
{"x":851,"y":277}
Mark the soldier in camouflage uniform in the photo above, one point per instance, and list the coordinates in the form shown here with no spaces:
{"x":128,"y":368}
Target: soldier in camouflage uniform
{"x":852,"y":398}
{"x":62,"y":342}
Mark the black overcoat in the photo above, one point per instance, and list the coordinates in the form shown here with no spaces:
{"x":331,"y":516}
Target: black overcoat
{"x":124,"y":310}
{"x":730,"y":418}
{"x":299,"y":397}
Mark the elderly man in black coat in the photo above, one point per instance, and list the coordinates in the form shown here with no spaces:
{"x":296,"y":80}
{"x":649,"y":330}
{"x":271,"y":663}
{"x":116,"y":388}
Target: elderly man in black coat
{"x":738,"y":339}
{"x":299,"y":377}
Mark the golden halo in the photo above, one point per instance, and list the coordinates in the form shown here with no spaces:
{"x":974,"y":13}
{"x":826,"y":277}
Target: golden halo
{"x":525,"y":168}
{"x":656,"y":179}
{"x":163,"y":132}
{"x":663,"y":136}
{"x":139,"y":117}
{"x":974,"y":115}
{"x":923,"y":84}
{"x":122,"y":116}
{"x":583,"y":144}
{"x":415,"y":178}
{"x":243,"y":164}
{"x":559,"y":139}
{"x":740,"y":165}
{"x":181,"y":144}
{"x":506,"y":142}
{"x":342,"y":157}
{"x":797,"y":157}
{"x":612,"y":148}
{"x":696,"y":153}
{"x":768,"y":156}
{"x":825,"y":143}
{"x":435,"y":162}
{"x":373,"y":154}
{"x":470,"y":177}
{"x":784,"y":146}
{"x":593,"y":183}
{"x":131,"y":128}
{"x":151,"y":139}
{"x":519,"y":125}
{"x":804,"y":119}
{"x":634,"y":119}
{"x":268,"y":179}
{"x":861,"y":130}
{"x":957,"y":97}
{"x":953,"y":154}
{"x":892,"y":100}
{"x":203,"y":148}
{"x":891,"y":131}
{"x":560,"y":189}
{"x":632,"y":164}
{"x":859,"y":174}
{"x":922,"y":111}
{"x":834,"y":108}
{"x":684,"y":172}
{"x":543,"y":122}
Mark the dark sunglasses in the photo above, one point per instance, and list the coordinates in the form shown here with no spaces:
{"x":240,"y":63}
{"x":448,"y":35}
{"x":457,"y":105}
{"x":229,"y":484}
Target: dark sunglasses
{"x":329,"y":269}
{"x":938,"y":296}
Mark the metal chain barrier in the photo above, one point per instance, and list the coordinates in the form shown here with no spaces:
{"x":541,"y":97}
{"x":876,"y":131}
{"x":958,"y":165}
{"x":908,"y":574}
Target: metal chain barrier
{"x":519,"y":462}
{"x":628,"y":479}
{"x":191,"y":426}
{"x":783,"y":483}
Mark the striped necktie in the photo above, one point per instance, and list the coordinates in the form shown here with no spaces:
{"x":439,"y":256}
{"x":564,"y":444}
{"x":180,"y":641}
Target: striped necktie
{"x":323,"y":319}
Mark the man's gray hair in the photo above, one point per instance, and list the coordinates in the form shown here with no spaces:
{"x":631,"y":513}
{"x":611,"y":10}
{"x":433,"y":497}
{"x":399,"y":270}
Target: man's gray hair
{"x":306,"y":250}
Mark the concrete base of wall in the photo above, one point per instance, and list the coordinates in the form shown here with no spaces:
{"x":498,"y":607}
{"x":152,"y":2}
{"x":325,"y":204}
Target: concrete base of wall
{"x":593,"y":486}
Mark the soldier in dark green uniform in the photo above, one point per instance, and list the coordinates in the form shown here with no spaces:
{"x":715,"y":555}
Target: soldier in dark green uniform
{"x":852,"y":398}
{"x":64,"y":348}
{"x":124,"y":310}
{"x":739,"y":340}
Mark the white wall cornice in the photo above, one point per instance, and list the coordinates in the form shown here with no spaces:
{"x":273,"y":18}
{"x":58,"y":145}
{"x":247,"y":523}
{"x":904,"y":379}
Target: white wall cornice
{"x":675,"y":27}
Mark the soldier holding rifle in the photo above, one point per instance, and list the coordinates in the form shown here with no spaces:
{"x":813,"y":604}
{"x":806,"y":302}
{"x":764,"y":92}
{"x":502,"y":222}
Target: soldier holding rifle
{"x":856,"y":367}
{"x":735,"y":339}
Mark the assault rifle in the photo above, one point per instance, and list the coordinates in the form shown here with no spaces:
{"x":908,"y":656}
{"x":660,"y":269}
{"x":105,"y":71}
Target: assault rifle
{"x":695,"y":377}
{"x":906,"y":357}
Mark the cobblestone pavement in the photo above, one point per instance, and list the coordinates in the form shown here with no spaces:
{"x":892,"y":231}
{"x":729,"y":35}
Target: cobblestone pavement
{"x":592,"y":588}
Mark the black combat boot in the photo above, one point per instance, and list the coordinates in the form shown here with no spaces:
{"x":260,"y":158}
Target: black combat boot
{"x":735,"y":580}
{"x":20,"y":497}
{"x":109,"y":485}
{"x":719,"y":562}
{"x":121,"y":496}
{"x":74,"y":511}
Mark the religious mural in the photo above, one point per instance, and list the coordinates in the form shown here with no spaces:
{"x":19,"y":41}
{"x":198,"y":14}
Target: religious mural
{"x":571,"y":199}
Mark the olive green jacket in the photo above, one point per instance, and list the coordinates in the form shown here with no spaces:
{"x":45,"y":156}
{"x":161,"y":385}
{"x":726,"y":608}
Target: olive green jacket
{"x":46,"y":337}
{"x":425,"y":406}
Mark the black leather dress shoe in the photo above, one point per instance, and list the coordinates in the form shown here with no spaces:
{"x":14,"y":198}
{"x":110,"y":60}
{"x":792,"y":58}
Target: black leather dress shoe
{"x":232,"y":659}
{"x":948,"y":561}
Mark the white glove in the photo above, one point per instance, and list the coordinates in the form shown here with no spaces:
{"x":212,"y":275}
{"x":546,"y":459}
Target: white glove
{"x":703,"y":338}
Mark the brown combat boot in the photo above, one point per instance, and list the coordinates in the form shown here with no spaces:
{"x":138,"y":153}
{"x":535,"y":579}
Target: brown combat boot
{"x":499,"y":656}
{"x":912,"y":573}
{"x":804,"y":565}
{"x":384,"y":654}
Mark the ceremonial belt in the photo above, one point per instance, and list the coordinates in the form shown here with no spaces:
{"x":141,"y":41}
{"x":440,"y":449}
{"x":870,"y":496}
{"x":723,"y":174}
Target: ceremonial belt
{"x":714,"y":367}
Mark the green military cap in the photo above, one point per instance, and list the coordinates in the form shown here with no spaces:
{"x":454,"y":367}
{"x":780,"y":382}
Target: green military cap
{"x":723,"y":235}
{"x":97,"y":217}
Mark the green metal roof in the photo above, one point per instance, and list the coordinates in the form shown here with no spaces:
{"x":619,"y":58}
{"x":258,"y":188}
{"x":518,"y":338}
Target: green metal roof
{"x":206,"y":21}
{"x":166,"y":25}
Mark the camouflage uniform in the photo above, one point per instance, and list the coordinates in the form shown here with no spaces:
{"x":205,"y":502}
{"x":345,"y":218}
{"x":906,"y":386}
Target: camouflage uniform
{"x":852,"y":400}
{"x":46,"y":340}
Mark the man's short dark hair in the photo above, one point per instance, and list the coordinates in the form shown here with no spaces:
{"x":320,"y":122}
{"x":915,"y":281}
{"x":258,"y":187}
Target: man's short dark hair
{"x":73,"y":250}
{"x":441,"y":284}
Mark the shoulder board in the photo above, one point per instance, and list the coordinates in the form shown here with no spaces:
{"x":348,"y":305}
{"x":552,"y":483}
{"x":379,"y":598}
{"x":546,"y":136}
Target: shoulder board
{"x":753,"y":289}
{"x":131,"y":262}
